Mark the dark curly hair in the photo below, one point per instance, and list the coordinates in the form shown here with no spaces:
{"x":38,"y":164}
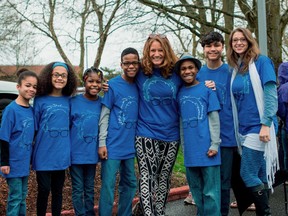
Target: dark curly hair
{"x":45,"y":86}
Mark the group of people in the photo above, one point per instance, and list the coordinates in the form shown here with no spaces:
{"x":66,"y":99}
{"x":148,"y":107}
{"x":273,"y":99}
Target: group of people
{"x":157,"y":101}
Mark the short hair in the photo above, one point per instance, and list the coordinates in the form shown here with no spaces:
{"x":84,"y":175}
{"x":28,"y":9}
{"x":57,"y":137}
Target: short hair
{"x":129,"y":50}
{"x":211,"y":37}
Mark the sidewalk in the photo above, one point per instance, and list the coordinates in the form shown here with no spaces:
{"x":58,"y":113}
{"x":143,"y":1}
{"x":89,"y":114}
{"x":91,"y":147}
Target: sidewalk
{"x":176,"y":207}
{"x":175,"y":194}
{"x":277,"y":204}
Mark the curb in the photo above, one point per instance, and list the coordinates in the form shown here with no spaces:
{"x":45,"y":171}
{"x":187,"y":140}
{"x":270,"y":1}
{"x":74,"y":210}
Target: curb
{"x":174,"y":194}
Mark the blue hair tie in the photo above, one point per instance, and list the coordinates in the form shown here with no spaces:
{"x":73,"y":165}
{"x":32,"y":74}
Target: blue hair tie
{"x":61,"y":64}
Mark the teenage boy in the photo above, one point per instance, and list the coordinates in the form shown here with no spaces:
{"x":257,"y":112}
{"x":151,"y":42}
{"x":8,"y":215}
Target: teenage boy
{"x":117,"y":137}
{"x":215,"y":73}
{"x":198,"y":106}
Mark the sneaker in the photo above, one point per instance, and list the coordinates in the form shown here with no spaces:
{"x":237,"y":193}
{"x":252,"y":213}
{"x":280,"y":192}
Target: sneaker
{"x":189,"y":200}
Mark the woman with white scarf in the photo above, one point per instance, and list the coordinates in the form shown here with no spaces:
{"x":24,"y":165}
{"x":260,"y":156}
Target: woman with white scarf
{"x":254,"y":104}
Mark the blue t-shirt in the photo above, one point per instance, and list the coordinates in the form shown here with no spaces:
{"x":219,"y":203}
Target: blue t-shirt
{"x":18,"y":130}
{"x":52,"y":145}
{"x":158,"y":111}
{"x":122,"y":100}
{"x":84,"y":118}
{"x":248,"y":115}
{"x":195,"y":103}
{"x":222,"y":77}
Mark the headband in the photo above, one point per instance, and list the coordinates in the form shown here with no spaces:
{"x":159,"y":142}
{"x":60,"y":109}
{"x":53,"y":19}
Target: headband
{"x":61,"y":64}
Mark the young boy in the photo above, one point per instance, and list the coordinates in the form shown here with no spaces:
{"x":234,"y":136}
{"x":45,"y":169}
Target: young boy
{"x":199,"y":107}
{"x":117,"y":137}
{"x":216,"y":74}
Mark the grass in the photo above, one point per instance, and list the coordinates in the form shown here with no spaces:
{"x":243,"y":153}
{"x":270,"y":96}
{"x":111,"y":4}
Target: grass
{"x":179,"y":168}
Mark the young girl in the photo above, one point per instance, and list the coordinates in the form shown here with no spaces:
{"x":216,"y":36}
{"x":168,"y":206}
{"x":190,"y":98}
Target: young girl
{"x":85,"y":112}
{"x":16,"y":136}
{"x":51,"y":153}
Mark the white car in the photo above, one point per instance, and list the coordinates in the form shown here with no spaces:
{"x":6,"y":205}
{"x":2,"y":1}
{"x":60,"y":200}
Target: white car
{"x":8,"y":93}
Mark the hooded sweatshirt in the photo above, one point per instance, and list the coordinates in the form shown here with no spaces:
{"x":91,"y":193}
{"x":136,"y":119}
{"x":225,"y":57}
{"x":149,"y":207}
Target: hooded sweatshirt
{"x":283,"y":94}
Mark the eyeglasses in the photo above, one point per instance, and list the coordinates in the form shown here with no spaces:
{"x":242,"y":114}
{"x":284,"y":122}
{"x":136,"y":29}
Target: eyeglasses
{"x":242,"y":40}
{"x":157,"y":35}
{"x":127,"y":64}
{"x":57,"y":75}
{"x":190,"y":123}
{"x":129,"y":125}
{"x":56,"y":133}
{"x":161,"y":101}
{"x":89,"y":139}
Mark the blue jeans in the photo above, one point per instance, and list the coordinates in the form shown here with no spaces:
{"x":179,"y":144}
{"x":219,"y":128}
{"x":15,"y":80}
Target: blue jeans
{"x":127,"y":186}
{"x":226,"y":172}
{"x":82,"y":177}
{"x":18,"y":189}
{"x":204,"y":183}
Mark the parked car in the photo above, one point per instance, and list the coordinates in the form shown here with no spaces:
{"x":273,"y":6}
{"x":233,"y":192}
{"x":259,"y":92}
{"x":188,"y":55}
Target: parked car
{"x":8,"y":93}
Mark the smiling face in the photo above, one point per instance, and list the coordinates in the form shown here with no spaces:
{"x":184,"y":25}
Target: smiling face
{"x":59,"y":77}
{"x":239,"y":43}
{"x":28,"y":87}
{"x":156,"y":54}
{"x":130,"y":66}
{"x":188,"y":72}
{"x":213,"y":51}
{"x":93,"y":85}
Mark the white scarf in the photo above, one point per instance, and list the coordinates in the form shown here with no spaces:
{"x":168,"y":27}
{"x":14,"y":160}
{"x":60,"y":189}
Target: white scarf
{"x":270,"y":153}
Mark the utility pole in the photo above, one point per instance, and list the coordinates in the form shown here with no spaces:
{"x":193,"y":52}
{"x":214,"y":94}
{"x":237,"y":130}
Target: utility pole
{"x":262,"y":27}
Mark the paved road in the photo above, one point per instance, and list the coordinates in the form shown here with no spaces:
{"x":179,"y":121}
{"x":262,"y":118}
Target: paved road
{"x":277,"y":203}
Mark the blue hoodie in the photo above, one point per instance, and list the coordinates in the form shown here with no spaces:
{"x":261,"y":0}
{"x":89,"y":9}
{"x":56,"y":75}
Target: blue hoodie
{"x":283,"y":93}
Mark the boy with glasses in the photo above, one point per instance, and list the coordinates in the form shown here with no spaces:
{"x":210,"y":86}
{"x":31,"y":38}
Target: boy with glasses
{"x":117,"y":125}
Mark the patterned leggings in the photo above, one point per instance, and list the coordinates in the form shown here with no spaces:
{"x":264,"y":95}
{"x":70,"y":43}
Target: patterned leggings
{"x":155,"y":159}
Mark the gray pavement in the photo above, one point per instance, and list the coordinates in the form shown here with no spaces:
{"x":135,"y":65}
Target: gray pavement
{"x":277,"y":204}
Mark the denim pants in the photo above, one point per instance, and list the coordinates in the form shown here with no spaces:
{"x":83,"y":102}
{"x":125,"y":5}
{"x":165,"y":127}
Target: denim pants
{"x":18,"y":189}
{"x":204,"y":183}
{"x":47,"y":180}
{"x":83,"y":176}
{"x":227,"y":154}
{"x":127,"y":186}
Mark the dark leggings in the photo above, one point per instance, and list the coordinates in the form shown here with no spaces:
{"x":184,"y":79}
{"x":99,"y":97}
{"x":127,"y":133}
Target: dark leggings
{"x":54,"y":181}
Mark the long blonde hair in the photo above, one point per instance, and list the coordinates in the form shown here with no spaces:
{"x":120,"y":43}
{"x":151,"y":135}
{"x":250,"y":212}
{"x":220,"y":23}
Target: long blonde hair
{"x":251,"y":53}
{"x":170,"y":57}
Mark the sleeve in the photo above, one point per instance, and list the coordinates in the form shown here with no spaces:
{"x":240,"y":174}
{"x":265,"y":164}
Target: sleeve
{"x":270,"y":103}
{"x":4,"y":153}
{"x":214,"y":127}
{"x":37,"y":116}
{"x":181,"y":133}
{"x":103,"y":125}
{"x":281,"y":108}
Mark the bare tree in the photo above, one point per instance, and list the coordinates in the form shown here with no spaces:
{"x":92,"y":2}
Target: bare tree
{"x":225,"y":15}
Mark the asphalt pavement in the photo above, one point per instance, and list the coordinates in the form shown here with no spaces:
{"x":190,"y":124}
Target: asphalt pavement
{"x":277,"y":204}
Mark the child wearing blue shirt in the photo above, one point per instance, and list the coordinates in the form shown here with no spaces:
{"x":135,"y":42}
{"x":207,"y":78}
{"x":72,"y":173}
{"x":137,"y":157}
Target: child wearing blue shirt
{"x":117,"y":137}
{"x":200,"y":124}
{"x":51,"y":152}
{"x":84,"y":112}
{"x":16,"y":137}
